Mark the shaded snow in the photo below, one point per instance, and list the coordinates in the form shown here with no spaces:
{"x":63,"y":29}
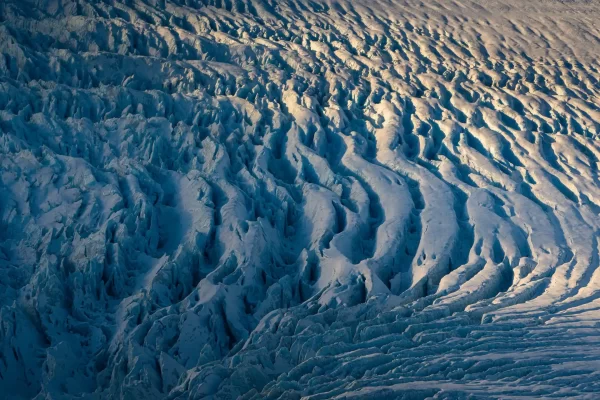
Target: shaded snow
{"x":299,"y":199}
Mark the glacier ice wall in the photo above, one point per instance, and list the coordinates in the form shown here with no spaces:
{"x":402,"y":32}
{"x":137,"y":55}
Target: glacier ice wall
{"x":220,"y":199}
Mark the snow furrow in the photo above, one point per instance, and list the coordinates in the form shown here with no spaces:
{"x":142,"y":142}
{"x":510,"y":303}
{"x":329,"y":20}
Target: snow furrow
{"x":311,"y":199}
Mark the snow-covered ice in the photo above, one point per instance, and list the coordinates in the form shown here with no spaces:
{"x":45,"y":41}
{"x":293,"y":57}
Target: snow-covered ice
{"x":299,"y":199}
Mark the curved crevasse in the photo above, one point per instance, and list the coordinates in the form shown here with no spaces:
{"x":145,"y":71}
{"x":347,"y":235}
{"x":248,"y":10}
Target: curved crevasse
{"x":298,"y":199}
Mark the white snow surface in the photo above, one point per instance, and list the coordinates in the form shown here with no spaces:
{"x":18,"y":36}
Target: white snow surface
{"x":299,"y":199}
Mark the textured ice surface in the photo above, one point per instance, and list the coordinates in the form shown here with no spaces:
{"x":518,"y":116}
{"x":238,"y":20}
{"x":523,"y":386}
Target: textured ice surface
{"x":294,"y":199}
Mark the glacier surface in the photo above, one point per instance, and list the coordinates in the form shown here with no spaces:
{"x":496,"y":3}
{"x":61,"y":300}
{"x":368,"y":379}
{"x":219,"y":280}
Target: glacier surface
{"x":299,"y":199}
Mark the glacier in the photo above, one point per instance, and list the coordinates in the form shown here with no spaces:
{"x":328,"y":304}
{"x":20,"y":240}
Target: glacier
{"x":299,"y":199}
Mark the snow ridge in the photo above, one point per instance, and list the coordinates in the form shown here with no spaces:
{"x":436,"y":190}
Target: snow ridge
{"x":299,"y":199}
